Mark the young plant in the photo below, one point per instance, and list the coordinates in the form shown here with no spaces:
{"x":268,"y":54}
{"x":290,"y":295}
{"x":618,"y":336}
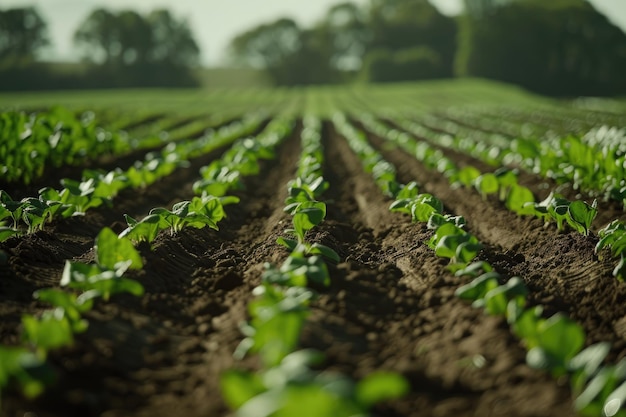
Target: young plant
{"x":487,"y":184}
{"x":581,"y":215}
{"x":293,"y":386}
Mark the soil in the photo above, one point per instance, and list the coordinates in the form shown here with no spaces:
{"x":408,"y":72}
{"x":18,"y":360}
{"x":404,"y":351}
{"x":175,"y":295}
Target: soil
{"x":390,"y":306}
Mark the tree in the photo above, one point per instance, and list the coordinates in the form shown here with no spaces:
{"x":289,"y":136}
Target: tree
{"x":289,"y":54}
{"x":404,"y":65}
{"x":415,"y":34}
{"x":480,"y":8}
{"x":23,"y":33}
{"x":561,"y":47}
{"x":173,"y":42}
{"x":127,"y":48}
{"x":405,"y":24}
{"x":345,"y":34}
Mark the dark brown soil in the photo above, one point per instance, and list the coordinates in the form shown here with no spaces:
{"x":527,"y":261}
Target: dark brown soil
{"x":391,"y":304}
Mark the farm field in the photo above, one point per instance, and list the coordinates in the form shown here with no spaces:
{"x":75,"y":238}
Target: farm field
{"x":451,"y":248}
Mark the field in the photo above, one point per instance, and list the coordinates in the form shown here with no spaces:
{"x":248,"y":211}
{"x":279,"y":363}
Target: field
{"x":451,"y":248}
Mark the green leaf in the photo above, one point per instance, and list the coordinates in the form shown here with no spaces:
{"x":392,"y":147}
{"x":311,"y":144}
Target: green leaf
{"x":448,"y":245}
{"x":319,"y":249}
{"x":381,"y":386}
{"x":112,"y":250}
{"x":308,"y":215}
{"x":593,"y":389}
{"x":560,"y":339}
{"x":48,"y":332}
{"x":474,"y":269}
{"x":238,"y":387}
{"x":467,"y":251}
{"x":583,"y":214}
{"x":409,"y":191}
{"x":558,"y":209}
{"x":487,"y":184}
{"x":586,"y":363}
{"x":466,"y":175}
{"x":526,"y":327}
{"x":93,"y":277}
{"x":497,"y":299}
{"x":478,"y":287}
{"x":145,"y":230}
{"x":421,"y":211}
{"x":69,"y":304}
{"x":520,"y":199}
{"x":288,"y":243}
{"x":615,"y":401}
{"x":26,"y":369}
{"x":7,"y":232}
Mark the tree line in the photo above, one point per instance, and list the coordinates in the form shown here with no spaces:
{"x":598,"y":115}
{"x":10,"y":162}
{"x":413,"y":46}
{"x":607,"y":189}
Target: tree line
{"x":557,"y":47}
{"x":118,"y":49}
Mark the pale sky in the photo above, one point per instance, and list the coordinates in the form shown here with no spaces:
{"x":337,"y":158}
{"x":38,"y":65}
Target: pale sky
{"x":215,"y":22}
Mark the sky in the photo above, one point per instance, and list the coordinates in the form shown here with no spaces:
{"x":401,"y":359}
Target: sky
{"x":215,"y":22}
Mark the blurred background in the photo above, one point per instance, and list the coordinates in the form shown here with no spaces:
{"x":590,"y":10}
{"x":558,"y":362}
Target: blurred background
{"x":554,"y":47}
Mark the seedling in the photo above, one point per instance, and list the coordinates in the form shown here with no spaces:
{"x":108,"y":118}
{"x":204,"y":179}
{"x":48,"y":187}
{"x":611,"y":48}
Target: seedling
{"x":486,"y":184}
{"x":113,"y":252}
{"x":582,"y":215}
{"x":106,"y":282}
{"x":520,"y":200}
{"x":497,"y":301}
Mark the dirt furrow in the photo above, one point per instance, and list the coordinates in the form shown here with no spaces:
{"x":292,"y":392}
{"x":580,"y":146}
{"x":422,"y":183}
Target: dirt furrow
{"x":391,"y":306}
{"x":549,"y":261}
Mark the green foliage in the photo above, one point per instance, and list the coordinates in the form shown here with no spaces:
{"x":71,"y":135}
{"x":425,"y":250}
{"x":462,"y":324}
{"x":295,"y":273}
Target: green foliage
{"x":380,"y":386}
{"x":239,"y":387}
{"x":113,"y":251}
{"x":585,"y":365}
{"x":104,"y":281}
{"x":479,"y":287}
{"x":55,"y":328}
{"x":582,"y":215}
{"x":466,"y":176}
{"x":496,"y":301}
{"x":20,"y":365}
{"x":69,"y":305}
{"x":451,"y":241}
{"x":551,"y":342}
{"x":487,"y":184}
{"x":613,"y":236}
{"x":46,"y":333}
{"x":293,"y":388}
{"x":277,"y":316}
{"x":562,"y":33}
{"x":7,"y":232}
{"x":125,"y":49}
{"x":34,"y":143}
{"x":519,"y":200}
{"x":417,"y":63}
{"x":198,"y":213}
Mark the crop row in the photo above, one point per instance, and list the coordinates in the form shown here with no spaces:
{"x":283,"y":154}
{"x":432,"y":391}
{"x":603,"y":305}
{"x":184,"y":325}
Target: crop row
{"x":502,"y":183}
{"x":278,"y":313}
{"x":97,"y":188}
{"x":594,"y":162}
{"x":33,"y":142}
{"x":554,"y":344}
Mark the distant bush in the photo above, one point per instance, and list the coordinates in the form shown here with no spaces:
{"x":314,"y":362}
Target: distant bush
{"x":560,"y":47}
{"x":405,"y":65}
